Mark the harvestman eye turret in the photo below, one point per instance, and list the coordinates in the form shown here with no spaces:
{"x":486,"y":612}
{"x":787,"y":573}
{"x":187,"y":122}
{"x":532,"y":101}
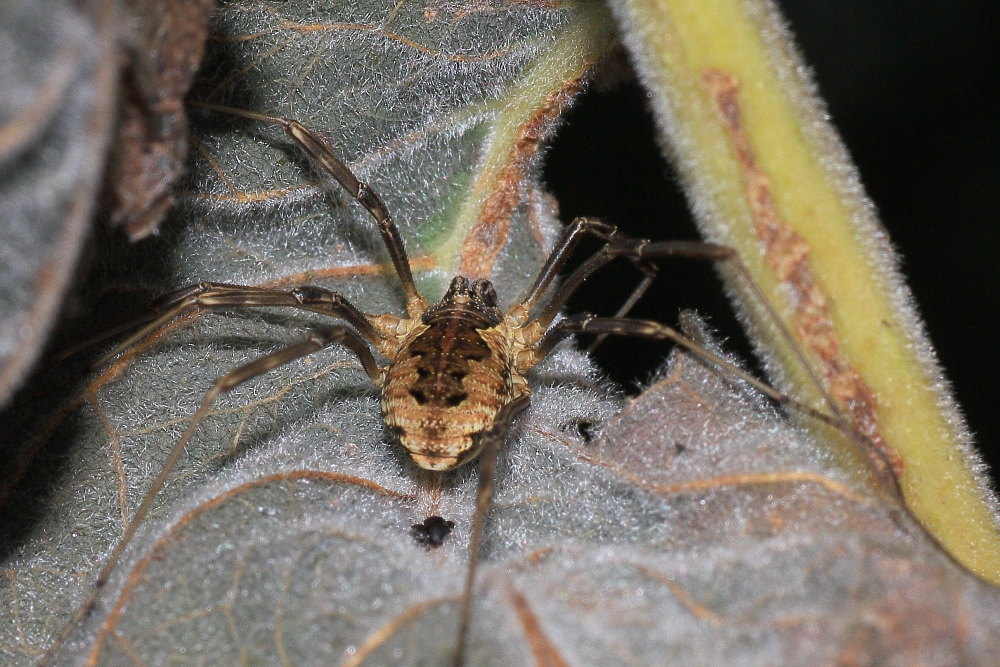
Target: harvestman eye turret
{"x":456,"y":378}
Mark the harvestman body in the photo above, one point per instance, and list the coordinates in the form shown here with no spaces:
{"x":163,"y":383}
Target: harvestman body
{"x":456,"y":377}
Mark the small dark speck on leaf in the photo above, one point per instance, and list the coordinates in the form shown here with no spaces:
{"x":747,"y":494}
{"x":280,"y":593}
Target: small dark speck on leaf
{"x":432,"y":532}
{"x":584,"y":427}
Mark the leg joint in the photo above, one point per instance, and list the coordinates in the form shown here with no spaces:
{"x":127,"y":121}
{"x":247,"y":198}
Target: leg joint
{"x":308,"y":294}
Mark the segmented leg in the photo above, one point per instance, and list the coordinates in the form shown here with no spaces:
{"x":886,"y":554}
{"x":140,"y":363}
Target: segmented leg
{"x":640,"y":250}
{"x":561,"y":253}
{"x":208,"y":295}
{"x":491,"y":441}
{"x":636,"y":250}
{"x":587,"y":323}
{"x":316,"y":341}
{"x":368,"y":198}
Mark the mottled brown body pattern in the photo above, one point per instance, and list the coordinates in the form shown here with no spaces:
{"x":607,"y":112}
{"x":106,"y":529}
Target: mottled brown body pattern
{"x":455,"y":378}
{"x":450,"y":376}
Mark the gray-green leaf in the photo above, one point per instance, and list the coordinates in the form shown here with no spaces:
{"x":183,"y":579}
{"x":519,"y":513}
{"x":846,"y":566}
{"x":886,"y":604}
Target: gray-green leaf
{"x":688,"y":525}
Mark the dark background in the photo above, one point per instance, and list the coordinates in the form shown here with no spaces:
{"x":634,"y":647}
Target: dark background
{"x":911,"y":92}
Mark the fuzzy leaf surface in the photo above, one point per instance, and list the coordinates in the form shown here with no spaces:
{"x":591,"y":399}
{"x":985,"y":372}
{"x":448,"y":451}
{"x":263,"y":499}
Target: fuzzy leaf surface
{"x":691,"y":522}
{"x":443,"y":108}
{"x":55,"y":78}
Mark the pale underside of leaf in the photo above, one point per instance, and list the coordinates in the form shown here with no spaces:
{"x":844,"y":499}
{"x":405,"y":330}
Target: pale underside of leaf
{"x":697,"y":526}
{"x":56,"y":73}
{"x":436,"y":106}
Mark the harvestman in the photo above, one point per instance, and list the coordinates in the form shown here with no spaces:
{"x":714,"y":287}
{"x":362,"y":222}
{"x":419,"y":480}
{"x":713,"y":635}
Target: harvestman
{"x":456,"y":374}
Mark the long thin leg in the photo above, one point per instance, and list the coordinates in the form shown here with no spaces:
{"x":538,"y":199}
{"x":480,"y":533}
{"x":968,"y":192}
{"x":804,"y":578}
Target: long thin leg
{"x":639,"y":250}
{"x":649,"y":271}
{"x":207,"y":295}
{"x":316,"y":341}
{"x":365,"y":196}
{"x":588,"y":323}
{"x":561,"y":253}
{"x":491,"y":441}
{"x":636,"y":250}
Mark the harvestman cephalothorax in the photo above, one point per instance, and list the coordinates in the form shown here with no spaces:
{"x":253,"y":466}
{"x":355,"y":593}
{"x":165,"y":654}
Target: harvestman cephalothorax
{"x":456,"y":375}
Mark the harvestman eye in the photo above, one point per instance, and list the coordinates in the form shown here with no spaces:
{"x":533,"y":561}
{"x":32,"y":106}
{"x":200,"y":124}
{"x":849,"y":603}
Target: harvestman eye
{"x":456,"y":377}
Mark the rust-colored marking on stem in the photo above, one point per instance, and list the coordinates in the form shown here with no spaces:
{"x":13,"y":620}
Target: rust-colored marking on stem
{"x":485,"y":240}
{"x":787,"y":255}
